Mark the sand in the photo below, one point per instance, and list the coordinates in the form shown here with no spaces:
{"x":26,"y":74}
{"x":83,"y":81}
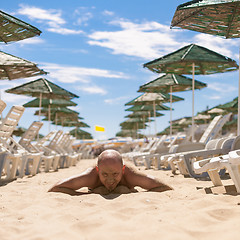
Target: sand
{"x":193,"y":210}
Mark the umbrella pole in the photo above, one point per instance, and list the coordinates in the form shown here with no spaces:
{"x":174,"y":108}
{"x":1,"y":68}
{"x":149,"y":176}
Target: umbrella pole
{"x":56,"y":120}
{"x":39,"y":116}
{"x":238,"y":125}
{"x":40,"y":106}
{"x":137,"y":131}
{"x":144,"y":123}
{"x":170,"y":111}
{"x":193,"y":87}
{"x":49,"y":118}
{"x":155,"y":120}
{"x":149,"y":122}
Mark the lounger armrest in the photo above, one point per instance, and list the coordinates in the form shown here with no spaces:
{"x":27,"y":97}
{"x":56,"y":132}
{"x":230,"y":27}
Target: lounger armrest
{"x":190,"y":147}
{"x":201,"y":153}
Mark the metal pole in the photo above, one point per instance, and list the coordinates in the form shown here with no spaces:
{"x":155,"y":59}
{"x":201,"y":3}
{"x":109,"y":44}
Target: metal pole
{"x":49,"y":118}
{"x":238,"y":125}
{"x":149,"y":122}
{"x":155,"y":119}
{"x":193,"y":87}
{"x":40,"y":106}
{"x":170,"y":111}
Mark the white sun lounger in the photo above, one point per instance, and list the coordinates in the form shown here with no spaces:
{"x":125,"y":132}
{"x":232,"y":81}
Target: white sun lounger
{"x":230,"y":161}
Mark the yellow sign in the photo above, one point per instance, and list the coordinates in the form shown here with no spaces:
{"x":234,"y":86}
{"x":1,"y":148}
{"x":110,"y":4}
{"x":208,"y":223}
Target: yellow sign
{"x":99,"y":129}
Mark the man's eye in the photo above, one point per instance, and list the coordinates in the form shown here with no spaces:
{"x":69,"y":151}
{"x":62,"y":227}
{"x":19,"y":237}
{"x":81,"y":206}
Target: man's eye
{"x":115,"y":174}
{"x":105,"y":174}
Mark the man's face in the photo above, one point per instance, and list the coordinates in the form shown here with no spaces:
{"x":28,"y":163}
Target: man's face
{"x":110,"y":174}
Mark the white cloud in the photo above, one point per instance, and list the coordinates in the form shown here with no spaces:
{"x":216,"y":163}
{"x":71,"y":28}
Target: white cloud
{"x":93,"y":90}
{"x":149,"y":40}
{"x":217,"y":44}
{"x":116,"y":100}
{"x":64,"y":31}
{"x":222,"y":88}
{"x":70,"y":74}
{"x":52,"y":17}
{"x":31,"y":41}
{"x":107,"y":13}
{"x":83,"y":16}
{"x":214,"y":97}
{"x":146,"y":40}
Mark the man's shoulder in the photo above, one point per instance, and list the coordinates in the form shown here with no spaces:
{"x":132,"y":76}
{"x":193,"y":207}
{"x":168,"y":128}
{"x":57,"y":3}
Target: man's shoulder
{"x":129,"y":170}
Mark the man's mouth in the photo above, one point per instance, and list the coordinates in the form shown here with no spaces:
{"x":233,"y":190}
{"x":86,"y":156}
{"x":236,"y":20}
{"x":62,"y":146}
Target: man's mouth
{"x":110,"y":186}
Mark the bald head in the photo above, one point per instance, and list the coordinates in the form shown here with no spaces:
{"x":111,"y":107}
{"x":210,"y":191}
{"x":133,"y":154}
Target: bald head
{"x":109,"y":156}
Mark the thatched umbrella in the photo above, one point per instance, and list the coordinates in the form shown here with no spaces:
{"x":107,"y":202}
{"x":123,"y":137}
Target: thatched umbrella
{"x":192,"y":59}
{"x":13,"y":29}
{"x":215,"y":17}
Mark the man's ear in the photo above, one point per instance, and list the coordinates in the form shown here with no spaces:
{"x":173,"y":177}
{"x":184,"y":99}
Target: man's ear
{"x":97,"y":168}
{"x":123,"y":169}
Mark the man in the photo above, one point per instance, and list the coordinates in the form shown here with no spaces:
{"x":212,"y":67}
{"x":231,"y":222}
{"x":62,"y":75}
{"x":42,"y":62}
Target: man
{"x":109,"y":176}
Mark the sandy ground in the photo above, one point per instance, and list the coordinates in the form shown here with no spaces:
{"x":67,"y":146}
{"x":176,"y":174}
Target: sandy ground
{"x":193,"y":210}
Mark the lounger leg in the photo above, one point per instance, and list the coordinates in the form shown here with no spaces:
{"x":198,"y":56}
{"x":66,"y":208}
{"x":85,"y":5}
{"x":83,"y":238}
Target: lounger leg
{"x":2,"y":162}
{"x":182,"y":168}
{"x":172,"y":164}
{"x":147,"y":162}
{"x":214,"y":176}
{"x":22,"y":165}
{"x":34,"y":169}
{"x":11,"y":167}
{"x":234,"y":172}
{"x":56,"y":162}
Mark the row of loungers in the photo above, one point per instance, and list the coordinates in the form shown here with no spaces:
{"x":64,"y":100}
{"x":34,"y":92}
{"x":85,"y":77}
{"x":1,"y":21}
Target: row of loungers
{"x":18,"y":159}
{"x":210,"y":158}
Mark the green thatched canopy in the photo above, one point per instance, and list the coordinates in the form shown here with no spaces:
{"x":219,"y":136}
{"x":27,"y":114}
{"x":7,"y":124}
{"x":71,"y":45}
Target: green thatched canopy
{"x":215,"y":17}
{"x":150,"y":98}
{"x":13,"y":29}
{"x":177,"y":82}
{"x":180,"y":62}
{"x":44,"y":87}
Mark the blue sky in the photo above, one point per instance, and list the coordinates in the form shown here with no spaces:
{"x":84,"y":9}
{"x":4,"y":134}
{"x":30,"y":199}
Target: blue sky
{"x":96,"y":49}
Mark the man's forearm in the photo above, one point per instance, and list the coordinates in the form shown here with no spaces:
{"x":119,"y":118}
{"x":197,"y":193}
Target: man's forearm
{"x":64,"y":190}
{"x":161,"y":188}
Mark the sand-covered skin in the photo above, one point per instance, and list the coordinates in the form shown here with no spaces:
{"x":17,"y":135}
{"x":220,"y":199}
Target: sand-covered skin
{"x":28,"y":211}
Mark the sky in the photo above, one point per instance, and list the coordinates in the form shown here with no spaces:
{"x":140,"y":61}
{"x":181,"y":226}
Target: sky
{"x":96,"y":49}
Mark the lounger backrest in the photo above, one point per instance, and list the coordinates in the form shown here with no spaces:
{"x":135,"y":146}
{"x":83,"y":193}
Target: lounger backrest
{"x":43,"y":140}
{"x":207,"y":133}
{"x":217,"y":129}
{"x":174,"y":139}
{"x":64,"y":139}
{"x":56,"y":138}
{"x":30,"y":134}
{"x":2,"y":105}
{"x":236,"y":143}
{"x":10,"y":122}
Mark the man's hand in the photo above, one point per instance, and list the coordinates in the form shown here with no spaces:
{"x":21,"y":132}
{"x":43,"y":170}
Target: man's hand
{"x":101,"y":190}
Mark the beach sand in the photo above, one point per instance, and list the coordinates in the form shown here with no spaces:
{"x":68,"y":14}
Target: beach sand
{"x":193,"y":210}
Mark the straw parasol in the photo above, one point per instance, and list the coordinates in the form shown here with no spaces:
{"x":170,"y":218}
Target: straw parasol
{"x":192,"y":59}
{"x":13,"y":29}
{"x":215,"y":17}
{"x":170,"y":83}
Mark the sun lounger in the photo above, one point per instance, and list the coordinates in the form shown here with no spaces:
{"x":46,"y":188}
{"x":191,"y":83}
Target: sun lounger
{"x":26,"y":142}
{"x":16,"y":156}
{"x":55,"y":146}
{"x":63,"y":145}
{"x":230,"y":161}
{"x":139,"y":151}
{"x":50,"y":158}
{"x":213,"y":148}
{"x":212,"y":132}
